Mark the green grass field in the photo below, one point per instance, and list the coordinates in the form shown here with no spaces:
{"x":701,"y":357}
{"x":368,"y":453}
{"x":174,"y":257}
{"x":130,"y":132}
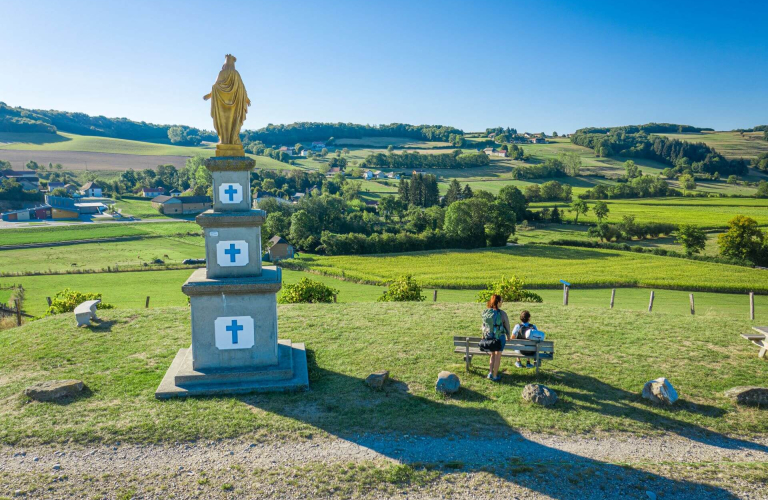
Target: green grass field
{"x":597,"y":372}
{"x":142,"y":209}
{"x":49,"y":234}
{"x":542,"y":267}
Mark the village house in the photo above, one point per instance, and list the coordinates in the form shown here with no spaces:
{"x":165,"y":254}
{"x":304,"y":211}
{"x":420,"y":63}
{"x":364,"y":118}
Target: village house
{"x":63,"y":207}
{"x":152,"y":192}
{"x":55,"y":185}
{"x":175,"y":193}
{"x":304,"y":152}
{"x":181,"y":205}
{"x":367,"y":175}
{"x":538,"y":140}
{"x":393,"y":175}
{"x":379,"y":174}
{"x":29,"y":180}
{"x":70,"y":188}
{"x":418,"y":172}
{"x":492,"y":135}
{"x":297,"y":197}
{"x":287,"y":150}
{"x":280,"y":249}
{"x":91,"y":190}
{"x":318,"y":146}
{"x":41,"y":212}
{"x":333,"y":171}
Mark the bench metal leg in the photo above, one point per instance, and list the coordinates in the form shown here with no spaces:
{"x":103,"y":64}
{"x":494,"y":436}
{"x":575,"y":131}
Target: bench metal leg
{"x":467,"y":356}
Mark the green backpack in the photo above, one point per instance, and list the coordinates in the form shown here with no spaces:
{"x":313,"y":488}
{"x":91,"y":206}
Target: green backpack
{"x":493,"y":324}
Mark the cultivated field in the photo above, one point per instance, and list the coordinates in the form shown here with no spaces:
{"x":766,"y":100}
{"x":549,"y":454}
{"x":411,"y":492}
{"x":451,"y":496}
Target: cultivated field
{"x":74,"y":232}
{"x":543,"y":266}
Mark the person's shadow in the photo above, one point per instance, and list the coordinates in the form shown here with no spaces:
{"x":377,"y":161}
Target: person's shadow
{"x":452,"y":437}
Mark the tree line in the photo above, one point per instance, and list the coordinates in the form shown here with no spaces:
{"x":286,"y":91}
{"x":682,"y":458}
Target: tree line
{"x":683,"y":156}
{"x":317,"y":131}
{"x":415,"y":160}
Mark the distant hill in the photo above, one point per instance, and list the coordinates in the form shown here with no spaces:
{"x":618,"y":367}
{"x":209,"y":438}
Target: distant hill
{"x":21,"y":120}
{"x":648,"y":128}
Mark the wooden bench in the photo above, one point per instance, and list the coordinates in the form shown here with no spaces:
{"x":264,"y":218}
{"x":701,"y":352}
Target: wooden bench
{"x":760,"y":339}
{"x":86,"y":311}
{"x":470,"y":346}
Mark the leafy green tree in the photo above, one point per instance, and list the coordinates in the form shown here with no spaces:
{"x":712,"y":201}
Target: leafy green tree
{"x":404,"y":192}
{"x":500,"y":224}
{"x":733,"y":179}
{"x":692,"y":237}
{"x":277,"y":224}
{"x":579,"y":208}
{"x":762,"y":189}
{"x":351,"y":190}
{"x":687,"y":182}
{"x":465,"y":222}
{"x":632,"y":170}
{"x":389,"y":206}
{"x":510,"y":289}
{"x":390,"y":148}
{"x":743,"y":240}
{"x":304,"y":229}
{"x":533,"y":193}
{"x":601,"y":210}
{"x":555,"y":216}
{"x":512,"y":197}
{"x":572,"y":163}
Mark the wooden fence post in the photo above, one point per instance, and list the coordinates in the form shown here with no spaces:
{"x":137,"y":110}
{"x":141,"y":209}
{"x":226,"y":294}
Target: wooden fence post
{"x":334,"y":298}
{"x":434,"y":297}
{"x":650,"y":304}
{"x":752,"y":306}
{"x":693,"y":309}
{"x":565,"y":294}
{"x":18,"y":312}
{"x":48,"y":299}
{"x":146,"y":304}
{"x":613,"y":296}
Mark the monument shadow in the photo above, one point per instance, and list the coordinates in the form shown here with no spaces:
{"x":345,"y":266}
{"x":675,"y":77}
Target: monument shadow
{"x":479,"y":439}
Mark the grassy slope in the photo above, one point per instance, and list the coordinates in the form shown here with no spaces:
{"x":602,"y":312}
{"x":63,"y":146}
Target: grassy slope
{"x":73,"y":142}
{"x":544,"y":266}
{"x":597,"y":377}
{"x":729,"y":144}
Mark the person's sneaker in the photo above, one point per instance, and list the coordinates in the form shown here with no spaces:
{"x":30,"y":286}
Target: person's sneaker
{"x":497,"y":379}
{"x":528,"y":364}
{"x":518,"y":364}
{"x":490,"y":376}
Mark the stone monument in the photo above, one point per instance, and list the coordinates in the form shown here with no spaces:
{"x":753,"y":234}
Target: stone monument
{"x":233,"y":300}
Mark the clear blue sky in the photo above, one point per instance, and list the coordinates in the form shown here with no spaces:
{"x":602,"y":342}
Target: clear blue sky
{"x":533,"y":65}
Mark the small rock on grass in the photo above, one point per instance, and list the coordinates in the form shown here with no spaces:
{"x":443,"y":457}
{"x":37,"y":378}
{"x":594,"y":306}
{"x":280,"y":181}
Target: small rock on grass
{"x":447,"y":382}
{"x":52,"y":390}
{"x":377,"y":380}
{"x":660,"y":391}
{"x":539,"y":394}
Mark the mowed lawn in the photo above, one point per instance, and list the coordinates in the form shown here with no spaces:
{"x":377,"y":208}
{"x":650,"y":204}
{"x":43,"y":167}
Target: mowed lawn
{"x":598,"y":373}
{"x":542,"y":266}
{"x":63,"y":141}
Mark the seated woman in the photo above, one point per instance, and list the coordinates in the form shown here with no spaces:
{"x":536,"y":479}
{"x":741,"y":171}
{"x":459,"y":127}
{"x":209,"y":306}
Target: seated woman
{"x":495,"y":326}
{"x":526,"y":330}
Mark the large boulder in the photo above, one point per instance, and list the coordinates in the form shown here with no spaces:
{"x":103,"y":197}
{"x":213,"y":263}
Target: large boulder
{"x":660,"y":391}
{"x":52,"y":390}
{"x":377,"y":380}
{"x":749,"y":396}
{"x":447,"y":382}
{"x":539,"y":394}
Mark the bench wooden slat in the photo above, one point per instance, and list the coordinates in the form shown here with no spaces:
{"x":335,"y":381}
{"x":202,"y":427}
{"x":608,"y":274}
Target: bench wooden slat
{"x":506,"y":354}
{"x":752,"y":337}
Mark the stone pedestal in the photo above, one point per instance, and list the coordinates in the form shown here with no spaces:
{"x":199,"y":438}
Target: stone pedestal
{"x":233,"y":302}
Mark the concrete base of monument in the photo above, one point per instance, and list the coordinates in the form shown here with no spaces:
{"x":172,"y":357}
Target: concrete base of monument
{"x":290,"y":374}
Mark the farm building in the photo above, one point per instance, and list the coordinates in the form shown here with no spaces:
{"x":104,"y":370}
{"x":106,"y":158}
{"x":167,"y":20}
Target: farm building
{"x":152,"y":192}
{"x":181,"y":205}
{"x":69,"y":208}
{"x":333,"y":171}
{"x":28,"y":179}
{"x":55,"y":185}
{"x":393,"y":175}
{"x":297,"y":197}
{"x":41,"y":212}
{"x":175,"y":193}
{"x":367,"y":175}
{"x":280,"y":249}
{"x":495,"y":152}
{"x":318,"y":146}
{"x":91,"y":189}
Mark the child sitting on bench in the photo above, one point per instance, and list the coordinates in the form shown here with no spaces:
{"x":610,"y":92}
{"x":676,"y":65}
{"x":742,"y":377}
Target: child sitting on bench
{"x":526,"y":330}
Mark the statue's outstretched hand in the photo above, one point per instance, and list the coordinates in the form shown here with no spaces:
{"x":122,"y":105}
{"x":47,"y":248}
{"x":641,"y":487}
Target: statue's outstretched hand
{"x":206,"y":97}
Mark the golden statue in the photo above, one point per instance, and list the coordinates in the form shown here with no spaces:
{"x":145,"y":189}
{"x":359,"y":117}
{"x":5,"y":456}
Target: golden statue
{"x":229,"y":105}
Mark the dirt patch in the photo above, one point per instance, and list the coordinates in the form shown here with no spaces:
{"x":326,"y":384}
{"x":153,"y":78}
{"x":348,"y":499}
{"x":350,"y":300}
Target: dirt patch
{"x":80,"y":160}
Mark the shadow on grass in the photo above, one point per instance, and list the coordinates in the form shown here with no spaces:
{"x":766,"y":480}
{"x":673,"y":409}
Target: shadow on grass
{"x":391,"y":422}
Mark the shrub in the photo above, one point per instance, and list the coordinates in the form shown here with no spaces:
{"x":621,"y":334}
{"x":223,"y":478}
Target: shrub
{"x":403,"y":289}
{"x":67,"y":300}
{"x":510,"y":289}
{"x":307,"y":291}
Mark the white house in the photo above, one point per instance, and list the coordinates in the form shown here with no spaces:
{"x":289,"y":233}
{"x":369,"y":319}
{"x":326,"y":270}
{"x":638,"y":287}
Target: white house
{"x":367,"y":175}
{"x":379,"y":174}
{"x":91,"y":189}
{"x":152,"y":192}
{"x":318,"y":145}
{"x":288,"y":150}
{"x":304,"y":152}
{"x":393,"y":175}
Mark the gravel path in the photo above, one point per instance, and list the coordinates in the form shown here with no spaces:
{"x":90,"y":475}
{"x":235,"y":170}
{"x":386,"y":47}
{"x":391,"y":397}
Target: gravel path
{"x":651,"y":467}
